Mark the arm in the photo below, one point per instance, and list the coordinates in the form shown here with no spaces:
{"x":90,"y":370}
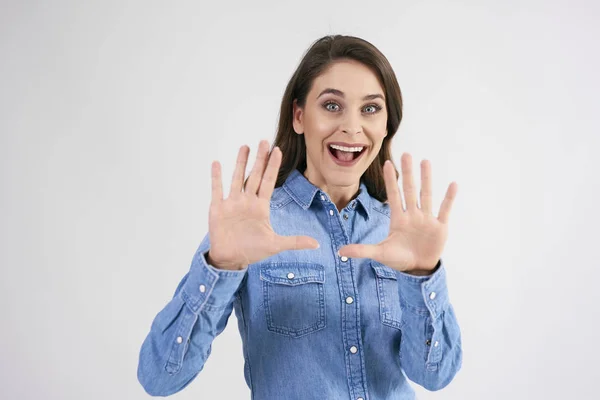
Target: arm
{"x":181,"y":334}
{"x":430,"y":348}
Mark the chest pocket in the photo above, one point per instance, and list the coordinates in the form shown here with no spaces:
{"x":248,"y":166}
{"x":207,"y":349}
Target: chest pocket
{"x":387,"y":294}
{"x":294,"y":297}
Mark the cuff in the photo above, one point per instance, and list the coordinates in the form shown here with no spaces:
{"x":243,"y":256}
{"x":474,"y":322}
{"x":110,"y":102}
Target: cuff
{"x":425,"y":293}
{"x":207,"y":287}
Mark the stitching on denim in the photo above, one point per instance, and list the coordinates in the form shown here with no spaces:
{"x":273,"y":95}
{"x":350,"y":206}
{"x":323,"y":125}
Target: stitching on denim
{"x":275,"y":206}
{"x":383,"y":301}
{"x":419,"y":311}
{"x":382,"y":210}
{"x":173,"y":359}
{"x":321,"y":321}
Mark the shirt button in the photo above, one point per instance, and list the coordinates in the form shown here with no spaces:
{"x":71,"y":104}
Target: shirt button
{"x":360,"y":398}
{"x":202,"y":288}
{"x":345,"y":216}
{"x":344,"y":258}
{"x":353,"y":349}
{"x":290,"y":275}
{"x":349,"y":300}
{"x":322,"y":197}
{"x":428,"y":342}
{"x":179,"y":339}
{"x":432,"y":295}
{"x":436,"y":343}
{"x":330,"y":212}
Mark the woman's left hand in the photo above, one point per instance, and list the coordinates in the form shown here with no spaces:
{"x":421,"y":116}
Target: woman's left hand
{"x":416,"y":237}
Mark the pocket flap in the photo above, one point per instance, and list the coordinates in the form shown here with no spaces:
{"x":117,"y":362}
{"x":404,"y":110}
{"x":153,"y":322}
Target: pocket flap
{"x":292,"y":273}
{"x":383,"y":271}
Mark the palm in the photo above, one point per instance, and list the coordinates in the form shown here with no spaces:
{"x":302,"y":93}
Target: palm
{"x":240,"y":230}
{"x":227,"y":225}
{"x":416,"y":237}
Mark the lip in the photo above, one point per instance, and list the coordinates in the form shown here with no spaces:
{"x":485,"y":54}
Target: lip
{"x":348,"y":144}
{"x":347,"y":163}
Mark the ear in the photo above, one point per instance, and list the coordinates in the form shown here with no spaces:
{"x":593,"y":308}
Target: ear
{"x":297,"y":117}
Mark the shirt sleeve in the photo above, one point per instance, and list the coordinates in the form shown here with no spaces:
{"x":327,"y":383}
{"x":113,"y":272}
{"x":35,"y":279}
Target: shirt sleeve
{"x":430,"y":347}
{"x":181,"y":334}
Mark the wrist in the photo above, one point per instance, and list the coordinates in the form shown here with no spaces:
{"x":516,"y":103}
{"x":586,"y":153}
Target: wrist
{"x":423,"y":271}
{"x":222,"y":265}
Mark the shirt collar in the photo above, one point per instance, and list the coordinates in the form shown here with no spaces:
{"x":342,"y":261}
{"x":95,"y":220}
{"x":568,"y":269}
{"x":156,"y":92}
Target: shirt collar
{"x":303,"y":192}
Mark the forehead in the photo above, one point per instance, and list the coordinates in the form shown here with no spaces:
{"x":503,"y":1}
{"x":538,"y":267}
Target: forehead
{"x":351,"y":77}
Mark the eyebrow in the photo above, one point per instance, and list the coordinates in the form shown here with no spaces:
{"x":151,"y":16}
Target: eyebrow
{"x":341,"y":94}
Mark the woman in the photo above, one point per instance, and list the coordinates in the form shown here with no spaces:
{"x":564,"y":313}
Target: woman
{"x":339,"y":292}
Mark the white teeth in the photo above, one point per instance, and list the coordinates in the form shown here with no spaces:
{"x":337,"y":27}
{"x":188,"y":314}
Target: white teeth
{"x":342,"y":148}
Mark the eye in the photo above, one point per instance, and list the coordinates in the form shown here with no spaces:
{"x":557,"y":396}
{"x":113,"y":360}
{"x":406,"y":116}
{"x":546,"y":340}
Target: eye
{"x":336,"y":107}
{"x":376,"y":108}
{"x":330,"y":103}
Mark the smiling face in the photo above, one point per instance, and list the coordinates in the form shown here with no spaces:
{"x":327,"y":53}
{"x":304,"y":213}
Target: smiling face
{"x":343,"y":122}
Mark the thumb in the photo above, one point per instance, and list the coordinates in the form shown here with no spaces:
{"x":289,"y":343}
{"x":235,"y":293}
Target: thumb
{"x":297,"y":243}
{"x":359,"y":251}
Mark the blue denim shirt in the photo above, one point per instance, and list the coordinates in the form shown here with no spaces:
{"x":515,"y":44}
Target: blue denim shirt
{"x":313,"y":325}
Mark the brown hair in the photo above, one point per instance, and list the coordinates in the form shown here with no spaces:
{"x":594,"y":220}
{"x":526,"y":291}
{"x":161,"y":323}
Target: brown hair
{"x":317,"y":58}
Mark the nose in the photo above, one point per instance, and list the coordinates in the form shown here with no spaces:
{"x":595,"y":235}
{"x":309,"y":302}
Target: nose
{"x":351,"y":125}
{"x":351,"y":131}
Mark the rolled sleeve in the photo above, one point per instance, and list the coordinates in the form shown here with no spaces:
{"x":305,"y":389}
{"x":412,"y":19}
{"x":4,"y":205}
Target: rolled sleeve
{"x":207,"y":287}
{"x":430,"y":350}
{"x":425,"y":293}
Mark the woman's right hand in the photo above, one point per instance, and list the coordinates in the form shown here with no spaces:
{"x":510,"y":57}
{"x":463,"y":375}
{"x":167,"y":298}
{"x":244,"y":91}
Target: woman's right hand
{"x":239,"y":226}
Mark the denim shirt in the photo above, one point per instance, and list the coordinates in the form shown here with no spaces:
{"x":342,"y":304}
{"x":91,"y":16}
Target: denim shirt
{"x":313,"y":325}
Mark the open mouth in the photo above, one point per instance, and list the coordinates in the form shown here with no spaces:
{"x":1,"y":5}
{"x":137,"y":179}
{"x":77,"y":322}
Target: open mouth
{"x":345,"y":155}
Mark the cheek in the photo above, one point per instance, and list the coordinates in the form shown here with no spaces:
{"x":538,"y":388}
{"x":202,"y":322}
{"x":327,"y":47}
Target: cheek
{"x":378,"y":124}
{"x":324,"y":126}
{"x":319,"y":129}
{"x":377,"y":141}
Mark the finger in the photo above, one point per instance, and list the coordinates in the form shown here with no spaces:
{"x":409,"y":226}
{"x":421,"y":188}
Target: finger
{"x":269,"y":178}
{"x":408,"y":185}
{"x":296,"y":243}
{"x":237,"y":180}
{"x":217,"y":184}
{"x":446,"y":206}
{"x":426,"y":187}
{"x":258,"y":168}
{"x":359,"y":251}
{"x":391,"y":187}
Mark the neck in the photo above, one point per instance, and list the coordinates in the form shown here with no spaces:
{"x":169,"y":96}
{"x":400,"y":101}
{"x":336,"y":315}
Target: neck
{"x":340,"y":195}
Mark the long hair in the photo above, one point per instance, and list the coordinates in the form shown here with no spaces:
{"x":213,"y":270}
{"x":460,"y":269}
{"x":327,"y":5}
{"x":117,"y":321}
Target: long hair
{"x":315,"y":61}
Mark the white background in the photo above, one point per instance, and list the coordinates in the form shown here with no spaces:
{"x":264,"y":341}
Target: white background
{"x":112,"y":112}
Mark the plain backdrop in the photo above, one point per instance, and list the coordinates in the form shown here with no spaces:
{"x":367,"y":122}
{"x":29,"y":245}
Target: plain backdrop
{"x":111,"y":113}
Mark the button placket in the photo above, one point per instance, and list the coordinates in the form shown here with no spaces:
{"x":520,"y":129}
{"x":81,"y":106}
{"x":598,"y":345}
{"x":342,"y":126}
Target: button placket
{"x":352,"y":340}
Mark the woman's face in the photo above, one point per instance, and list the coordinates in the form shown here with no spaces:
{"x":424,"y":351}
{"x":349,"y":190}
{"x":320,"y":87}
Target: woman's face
{"x":343,"y":123}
